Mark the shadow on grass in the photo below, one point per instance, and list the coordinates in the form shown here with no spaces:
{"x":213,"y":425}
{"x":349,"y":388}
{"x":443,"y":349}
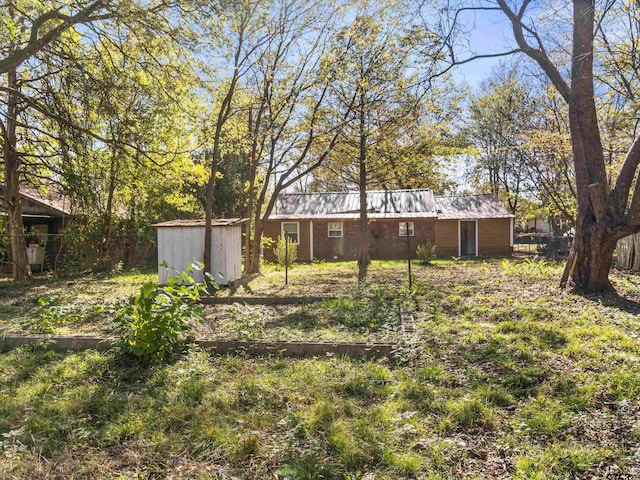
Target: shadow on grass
{"x":615,"y":300}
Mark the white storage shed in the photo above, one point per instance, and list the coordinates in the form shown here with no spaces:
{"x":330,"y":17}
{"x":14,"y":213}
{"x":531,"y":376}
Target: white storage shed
{"x":181,"y":243}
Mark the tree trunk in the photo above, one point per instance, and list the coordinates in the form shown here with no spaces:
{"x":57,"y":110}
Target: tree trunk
{"x":21,"y":269}
{"x":363,"y":241}
{"x":254,"y":266}
{"x":248,"y":243}
{"x":208,"y":219}
{"x":593,"y":250}
{"x":105,"y":249}
{"x":131,"y":234}
{"x":595,"y":240}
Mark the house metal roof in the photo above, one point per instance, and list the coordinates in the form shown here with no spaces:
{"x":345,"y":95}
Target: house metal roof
{"x":218,"y":222}
{"x":471,"y":207}
{"x":380,"y":204}
{"x":420,"y":203}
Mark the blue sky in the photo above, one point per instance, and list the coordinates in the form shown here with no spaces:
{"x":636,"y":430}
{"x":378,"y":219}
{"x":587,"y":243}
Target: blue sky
{"x":489,"y":34}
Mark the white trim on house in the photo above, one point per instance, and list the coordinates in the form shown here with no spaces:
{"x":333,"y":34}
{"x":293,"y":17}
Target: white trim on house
{"x":311,"y":240}
{"x":329,"y":229}
{"x":282,"y":224}
{"x":475,"y":220}
{"x":511,"y":241}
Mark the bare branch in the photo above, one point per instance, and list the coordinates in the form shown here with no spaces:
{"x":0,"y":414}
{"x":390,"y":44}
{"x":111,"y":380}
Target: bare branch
{"x":536,"y":54}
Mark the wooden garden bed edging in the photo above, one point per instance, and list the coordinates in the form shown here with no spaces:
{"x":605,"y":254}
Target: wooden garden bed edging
{"x":262,"y":300}
{"x":303,"y":349}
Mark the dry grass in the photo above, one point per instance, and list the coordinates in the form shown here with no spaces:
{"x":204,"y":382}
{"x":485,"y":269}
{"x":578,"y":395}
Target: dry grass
{"x":507,"y":377}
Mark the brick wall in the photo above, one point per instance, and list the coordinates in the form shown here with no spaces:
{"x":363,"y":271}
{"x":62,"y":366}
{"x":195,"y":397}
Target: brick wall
{"x":385,"y":243}
{"x":273,"y":229}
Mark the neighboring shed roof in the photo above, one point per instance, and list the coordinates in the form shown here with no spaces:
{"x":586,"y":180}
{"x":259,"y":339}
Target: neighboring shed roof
{"x":218,"y":222}
{"x":380,"y":204}
{"x":36,"y":203}
{"x":471,"y":206}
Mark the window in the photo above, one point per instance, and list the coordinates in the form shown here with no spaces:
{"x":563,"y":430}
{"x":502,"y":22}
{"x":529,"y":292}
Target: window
{"x":403,"y":229}
{"x":291,"y":230}
{"x":335,"y":229}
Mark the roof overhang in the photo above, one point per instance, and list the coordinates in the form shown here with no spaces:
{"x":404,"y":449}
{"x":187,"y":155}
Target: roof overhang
{"x":353,"y":216}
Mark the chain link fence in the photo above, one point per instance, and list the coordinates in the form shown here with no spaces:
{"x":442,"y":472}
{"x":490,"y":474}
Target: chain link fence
{"x":68,"y":254}
{"x":532,"y":244}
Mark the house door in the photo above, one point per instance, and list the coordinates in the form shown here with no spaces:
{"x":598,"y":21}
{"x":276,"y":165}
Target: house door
{"x":468,"y":238}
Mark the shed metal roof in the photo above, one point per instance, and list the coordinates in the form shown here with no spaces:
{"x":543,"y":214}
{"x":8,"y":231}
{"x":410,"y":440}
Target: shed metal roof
{"x":380,"y":204}
{"x":218,"y":222}
{"x":49,"y":203}
{"x":471,"y":207}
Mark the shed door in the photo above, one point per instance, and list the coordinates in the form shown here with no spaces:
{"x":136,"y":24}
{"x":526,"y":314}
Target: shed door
{"x":468,"y":238}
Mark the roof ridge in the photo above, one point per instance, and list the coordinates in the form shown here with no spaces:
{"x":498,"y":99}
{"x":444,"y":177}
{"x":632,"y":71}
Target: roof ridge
{"x":357,"y":191}
{"x":467,"y":195}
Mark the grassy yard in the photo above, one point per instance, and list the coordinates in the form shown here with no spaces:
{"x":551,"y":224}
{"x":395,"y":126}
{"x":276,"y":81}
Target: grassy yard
{"x":506,"y":377}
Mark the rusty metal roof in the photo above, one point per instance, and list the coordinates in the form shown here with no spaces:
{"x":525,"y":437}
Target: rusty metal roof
{"x":380,"y":204}
{"x":51,"y":201}
{"x":471,"y":206}
{"x":217,"y":222}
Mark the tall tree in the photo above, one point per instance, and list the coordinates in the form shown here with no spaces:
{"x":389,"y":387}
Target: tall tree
{"x":247,"y":31}
{"x":501,"y":119}
{"x":43,"y":46}
{"x":291,"y":131}
{"x":607,"y":210}
{"x":380,"y":72}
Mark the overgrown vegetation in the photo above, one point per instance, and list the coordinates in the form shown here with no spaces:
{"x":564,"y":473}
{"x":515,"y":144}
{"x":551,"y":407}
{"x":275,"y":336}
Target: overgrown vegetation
{"x":151,"y":323}
{"x":286,"y":251}
{"x":426,"y":252}
{"x":507,"y":377}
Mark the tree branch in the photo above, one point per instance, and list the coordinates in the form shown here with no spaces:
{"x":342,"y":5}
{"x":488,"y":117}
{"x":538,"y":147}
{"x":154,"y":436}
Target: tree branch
{"x":535,"y":53}
{"x":37,"y":42}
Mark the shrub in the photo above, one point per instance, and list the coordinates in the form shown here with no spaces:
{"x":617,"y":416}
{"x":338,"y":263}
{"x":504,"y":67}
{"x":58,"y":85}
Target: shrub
{"x":281,"y":251}
{"x":152,"y":321}
{"x":426,"y":252}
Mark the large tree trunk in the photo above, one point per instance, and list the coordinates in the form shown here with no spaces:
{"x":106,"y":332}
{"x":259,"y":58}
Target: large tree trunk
{"x":21,"y":268}
{"x":254,"y":265}
{"x":208,"y":220}
{"x":595,"y":240}
{"x":590,"y":260}
{"x":363,"y":240}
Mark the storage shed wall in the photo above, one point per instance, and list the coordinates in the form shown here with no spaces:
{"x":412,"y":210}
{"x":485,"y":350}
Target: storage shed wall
{"x":183,"y":246}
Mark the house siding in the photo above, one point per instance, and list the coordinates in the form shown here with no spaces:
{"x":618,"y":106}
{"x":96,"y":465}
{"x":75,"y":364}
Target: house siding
{"x":342,"y":248}
{"x":494,"y":237}
{"x":447,"y":238}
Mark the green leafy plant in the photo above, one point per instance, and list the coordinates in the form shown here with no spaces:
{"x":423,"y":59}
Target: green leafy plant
{"x":426,"y":252}
{"x":284,"y":257}
{"x":51,"y":315}
{"x":152,"y":321}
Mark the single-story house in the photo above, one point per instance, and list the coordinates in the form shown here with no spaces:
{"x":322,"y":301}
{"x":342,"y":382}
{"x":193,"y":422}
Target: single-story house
{"x":325,"y":225}
{"x":43,"y":215}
